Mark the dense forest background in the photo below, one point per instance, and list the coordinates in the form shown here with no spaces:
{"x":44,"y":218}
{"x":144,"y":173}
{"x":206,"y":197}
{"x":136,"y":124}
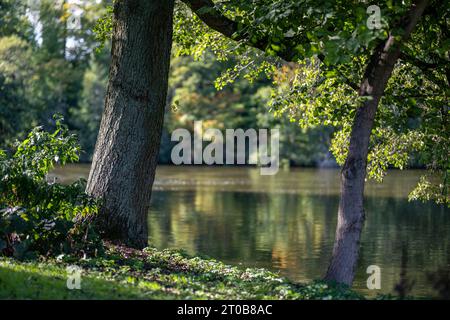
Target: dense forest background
{"x":52,"y":62}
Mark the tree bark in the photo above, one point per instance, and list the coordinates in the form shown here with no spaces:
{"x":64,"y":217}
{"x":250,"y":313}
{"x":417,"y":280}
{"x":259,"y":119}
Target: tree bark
{"x":126,"y":151}
{"x":351,"y":210}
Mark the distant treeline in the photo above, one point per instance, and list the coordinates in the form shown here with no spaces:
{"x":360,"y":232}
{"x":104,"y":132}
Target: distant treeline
{"x":49,"y":68}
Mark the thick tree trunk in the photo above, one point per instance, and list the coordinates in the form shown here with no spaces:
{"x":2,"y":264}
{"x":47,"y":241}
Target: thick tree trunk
{"x":351,"y":209}
{"x":127,"y":147}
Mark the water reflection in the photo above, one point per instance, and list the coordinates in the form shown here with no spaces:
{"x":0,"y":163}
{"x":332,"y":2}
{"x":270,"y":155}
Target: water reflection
{"x":287,"y":222}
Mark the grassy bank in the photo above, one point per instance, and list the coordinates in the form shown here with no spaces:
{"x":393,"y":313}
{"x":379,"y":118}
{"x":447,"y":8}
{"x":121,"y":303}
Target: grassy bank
{"x":123,"y":273}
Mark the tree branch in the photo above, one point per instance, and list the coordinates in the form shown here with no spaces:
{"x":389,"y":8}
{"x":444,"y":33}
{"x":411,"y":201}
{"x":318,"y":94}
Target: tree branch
{"x":426,"y":67}
{"x":213,"y":18}
{"x":423,"y":65}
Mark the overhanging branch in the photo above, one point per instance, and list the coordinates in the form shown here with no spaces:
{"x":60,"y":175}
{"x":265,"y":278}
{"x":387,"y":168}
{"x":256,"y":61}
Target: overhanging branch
{"x":212,"y":17}
{"x":426,"y":67}
{"x":419,"y":63}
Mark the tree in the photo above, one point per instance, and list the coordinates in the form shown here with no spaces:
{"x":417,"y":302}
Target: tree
{"x":88,"y":114}
{"x":51,"y":68}
{"x":351,"y":209}
{"x":15,"y":86}
{"x":126,"y":152}
{"x":12,"y":20}
{"x":337,"y":34}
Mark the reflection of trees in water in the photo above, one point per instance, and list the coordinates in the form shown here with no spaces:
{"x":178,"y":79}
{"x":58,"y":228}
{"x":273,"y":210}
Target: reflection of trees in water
{"x":295,"y":232}
{"x":440,"y":280}
{"x":395,"y":223}
{"x":405,"y":285}
{"x":283,"y":230}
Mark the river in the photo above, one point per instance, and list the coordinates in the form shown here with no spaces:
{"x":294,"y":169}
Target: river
{"x":286,"y":222}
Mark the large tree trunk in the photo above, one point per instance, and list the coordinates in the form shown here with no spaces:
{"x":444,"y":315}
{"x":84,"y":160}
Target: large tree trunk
{"x":351,"y":210}
{"x":127,"y":147}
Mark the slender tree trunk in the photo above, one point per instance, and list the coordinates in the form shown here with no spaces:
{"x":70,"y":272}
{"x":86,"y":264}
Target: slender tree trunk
{"x":127,"y":147}
{"x":351,"y":210}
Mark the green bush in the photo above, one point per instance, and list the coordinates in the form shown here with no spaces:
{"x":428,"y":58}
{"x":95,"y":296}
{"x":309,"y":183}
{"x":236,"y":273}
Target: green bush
{"x":38,"y":216}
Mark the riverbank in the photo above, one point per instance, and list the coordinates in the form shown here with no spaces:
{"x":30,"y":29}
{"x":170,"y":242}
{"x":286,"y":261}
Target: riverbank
{"x":123,"y":273}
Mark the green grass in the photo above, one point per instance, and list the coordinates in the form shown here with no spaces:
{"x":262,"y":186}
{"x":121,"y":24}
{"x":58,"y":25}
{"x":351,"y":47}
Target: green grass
{"x":123,"y":273}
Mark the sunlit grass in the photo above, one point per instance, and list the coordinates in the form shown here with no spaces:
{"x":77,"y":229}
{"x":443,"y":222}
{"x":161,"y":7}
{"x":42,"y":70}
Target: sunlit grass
{"x":152,"y":274}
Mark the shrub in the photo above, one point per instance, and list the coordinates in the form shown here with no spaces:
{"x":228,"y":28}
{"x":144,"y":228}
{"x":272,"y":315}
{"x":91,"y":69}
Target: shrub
{"x":38,"y":216}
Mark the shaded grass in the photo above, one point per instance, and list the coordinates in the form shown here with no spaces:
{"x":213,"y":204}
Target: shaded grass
{"x":123,"y":273}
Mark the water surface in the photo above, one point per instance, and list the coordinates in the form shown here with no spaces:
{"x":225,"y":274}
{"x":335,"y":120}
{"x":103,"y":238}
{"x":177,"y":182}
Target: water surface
{"x":287,"y":222}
